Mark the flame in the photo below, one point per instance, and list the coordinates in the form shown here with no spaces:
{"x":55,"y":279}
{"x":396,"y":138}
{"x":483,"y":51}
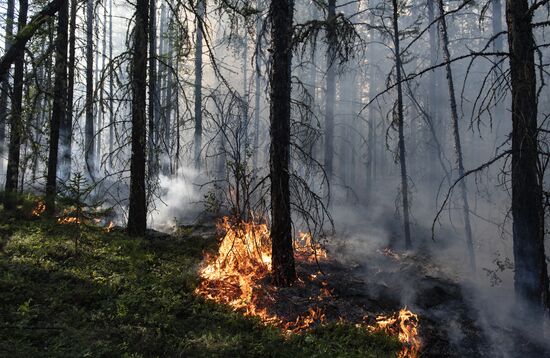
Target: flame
{"x":235,"y":274}
{"x":110,"y":226}
{"x":405,"y":326}
{"x":39,"y":208}
{"x":65,"y":220}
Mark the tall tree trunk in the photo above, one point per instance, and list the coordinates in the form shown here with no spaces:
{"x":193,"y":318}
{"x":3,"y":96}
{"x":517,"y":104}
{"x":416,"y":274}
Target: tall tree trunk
{"x":201,"y":7}
{"x":89,"y":124}
{"x":111,"y":88}
{"x":59,"y":110}
{"x":101,"y":107}
{"x":137,"y":210}
{"x":257,"y":109}
{"x":400,"y":119}
{"x":153,"y":108}
{"x":66,"y":126}
{"x":456,"y":134}
{"x":432,"y":92}
{"x":530,"y":274}
{"x":168,"y":105}
{"x":5,"y":84}
{"x":16,"y":118}
{"x":282,"y":13}
{"x":331,"y":87}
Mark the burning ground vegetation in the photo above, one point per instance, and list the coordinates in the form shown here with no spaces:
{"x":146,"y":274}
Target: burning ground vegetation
{"x":238,"y":275}
{"x":75,"y":215}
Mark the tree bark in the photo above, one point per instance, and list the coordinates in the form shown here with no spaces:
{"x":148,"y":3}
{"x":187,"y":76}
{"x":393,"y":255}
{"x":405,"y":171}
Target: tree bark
{"x":89,"y":124}
{"x":444,"y":37}
{"x":331,"y":88}
{"x":400,"y":119}
{"x":530,"y":274}
{"x":5,"y":85}
{"x":59,"y":110}
{"x":153,"y":108}
{"x":137,"y":210}
{"x":16,"y":118}
{"x":281,"y":12}
{"x":66,"y":126}
{"x":201,"y":7}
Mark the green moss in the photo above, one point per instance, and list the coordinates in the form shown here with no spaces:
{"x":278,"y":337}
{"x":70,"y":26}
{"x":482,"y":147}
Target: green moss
{"x":122,"y":297}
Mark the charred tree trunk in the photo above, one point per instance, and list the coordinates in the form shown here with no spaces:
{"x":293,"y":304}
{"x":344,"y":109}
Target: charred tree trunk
{"x":201,"y":9}
{"x":331,"y":88}
{"x":89,"y":125}
{"x":59,"y":110}
{"x":166,"y":164}
{"x":281,"y":12}
{"x":137,"y":209}
{"x":400,"y":124}
{"x":432,"y":92}
{"x":66,"y":126}
{"x":530,"y":274}
{"x":4,"y":86}
{"x":456,"y":134}
{"x":16,"y":118}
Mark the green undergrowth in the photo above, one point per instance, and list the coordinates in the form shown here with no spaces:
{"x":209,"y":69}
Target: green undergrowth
{"x":122,"y":297}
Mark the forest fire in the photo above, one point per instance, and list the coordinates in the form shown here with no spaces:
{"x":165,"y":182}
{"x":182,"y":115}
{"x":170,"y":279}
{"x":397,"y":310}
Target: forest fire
{"x":404,"y":325}
{"x":39,"y":208}
{"x":238,"y":275}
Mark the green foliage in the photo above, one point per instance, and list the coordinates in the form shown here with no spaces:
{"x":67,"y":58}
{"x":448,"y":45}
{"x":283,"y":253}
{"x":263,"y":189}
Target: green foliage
{"x":125,"y":297}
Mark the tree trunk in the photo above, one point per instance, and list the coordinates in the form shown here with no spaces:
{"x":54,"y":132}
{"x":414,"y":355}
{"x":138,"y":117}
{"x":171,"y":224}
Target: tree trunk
{"x":137,"y":210}
{"x":256,"y":143}
{"x":66,"y":127}
{"x":59,"y":110}
{"x":201,"y":6}
{"x":166,"y":166}
{"x":111,"y":88}
{"x":456,"y":134}
{"x":5,"y":84}
{"x":282,"y":12}
{"x":153,"y":108}
{"x":16,"y":118}
{"x":89,"y":125}
{"x":530,"y":274}
{"x":400,"y":119}
{"x":331,"y":88}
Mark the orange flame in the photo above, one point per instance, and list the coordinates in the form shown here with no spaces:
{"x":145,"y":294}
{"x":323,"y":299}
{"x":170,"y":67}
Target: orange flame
{"x":405,"y":326}
{"x":234,"y":276}
{"x":110,"y":226}
{"x":39,"y":208}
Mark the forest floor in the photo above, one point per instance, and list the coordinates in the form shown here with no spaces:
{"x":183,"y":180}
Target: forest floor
{"x":123,"y":297}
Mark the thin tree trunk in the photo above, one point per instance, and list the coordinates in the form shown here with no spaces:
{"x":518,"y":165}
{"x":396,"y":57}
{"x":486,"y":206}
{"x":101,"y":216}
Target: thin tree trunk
{"x":137,"y":209}
{"x":530,"y":273}
{"x":89,"y":124}
{"x":400,"y":119}
{"x":5,"y":85}
{"x":111,"y":88}
{"x":257,"y":97}
{"x":284,"y":272}
{"x":201,"y":6}
{"x":101,"y":112}
{"x":66,"y":126}
{"x":59,"y":110}
{"x":168,"y":110}
{"x":456,"y":134}
{"x":153,"y":108}
{"x":331,"y":88}
{"x":16,"y":118}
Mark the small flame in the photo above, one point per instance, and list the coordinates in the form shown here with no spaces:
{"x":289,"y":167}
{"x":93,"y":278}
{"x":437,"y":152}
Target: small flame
{"x":405,"y":325}
{"x":110,"y":226}
{"x":39,"y":208}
